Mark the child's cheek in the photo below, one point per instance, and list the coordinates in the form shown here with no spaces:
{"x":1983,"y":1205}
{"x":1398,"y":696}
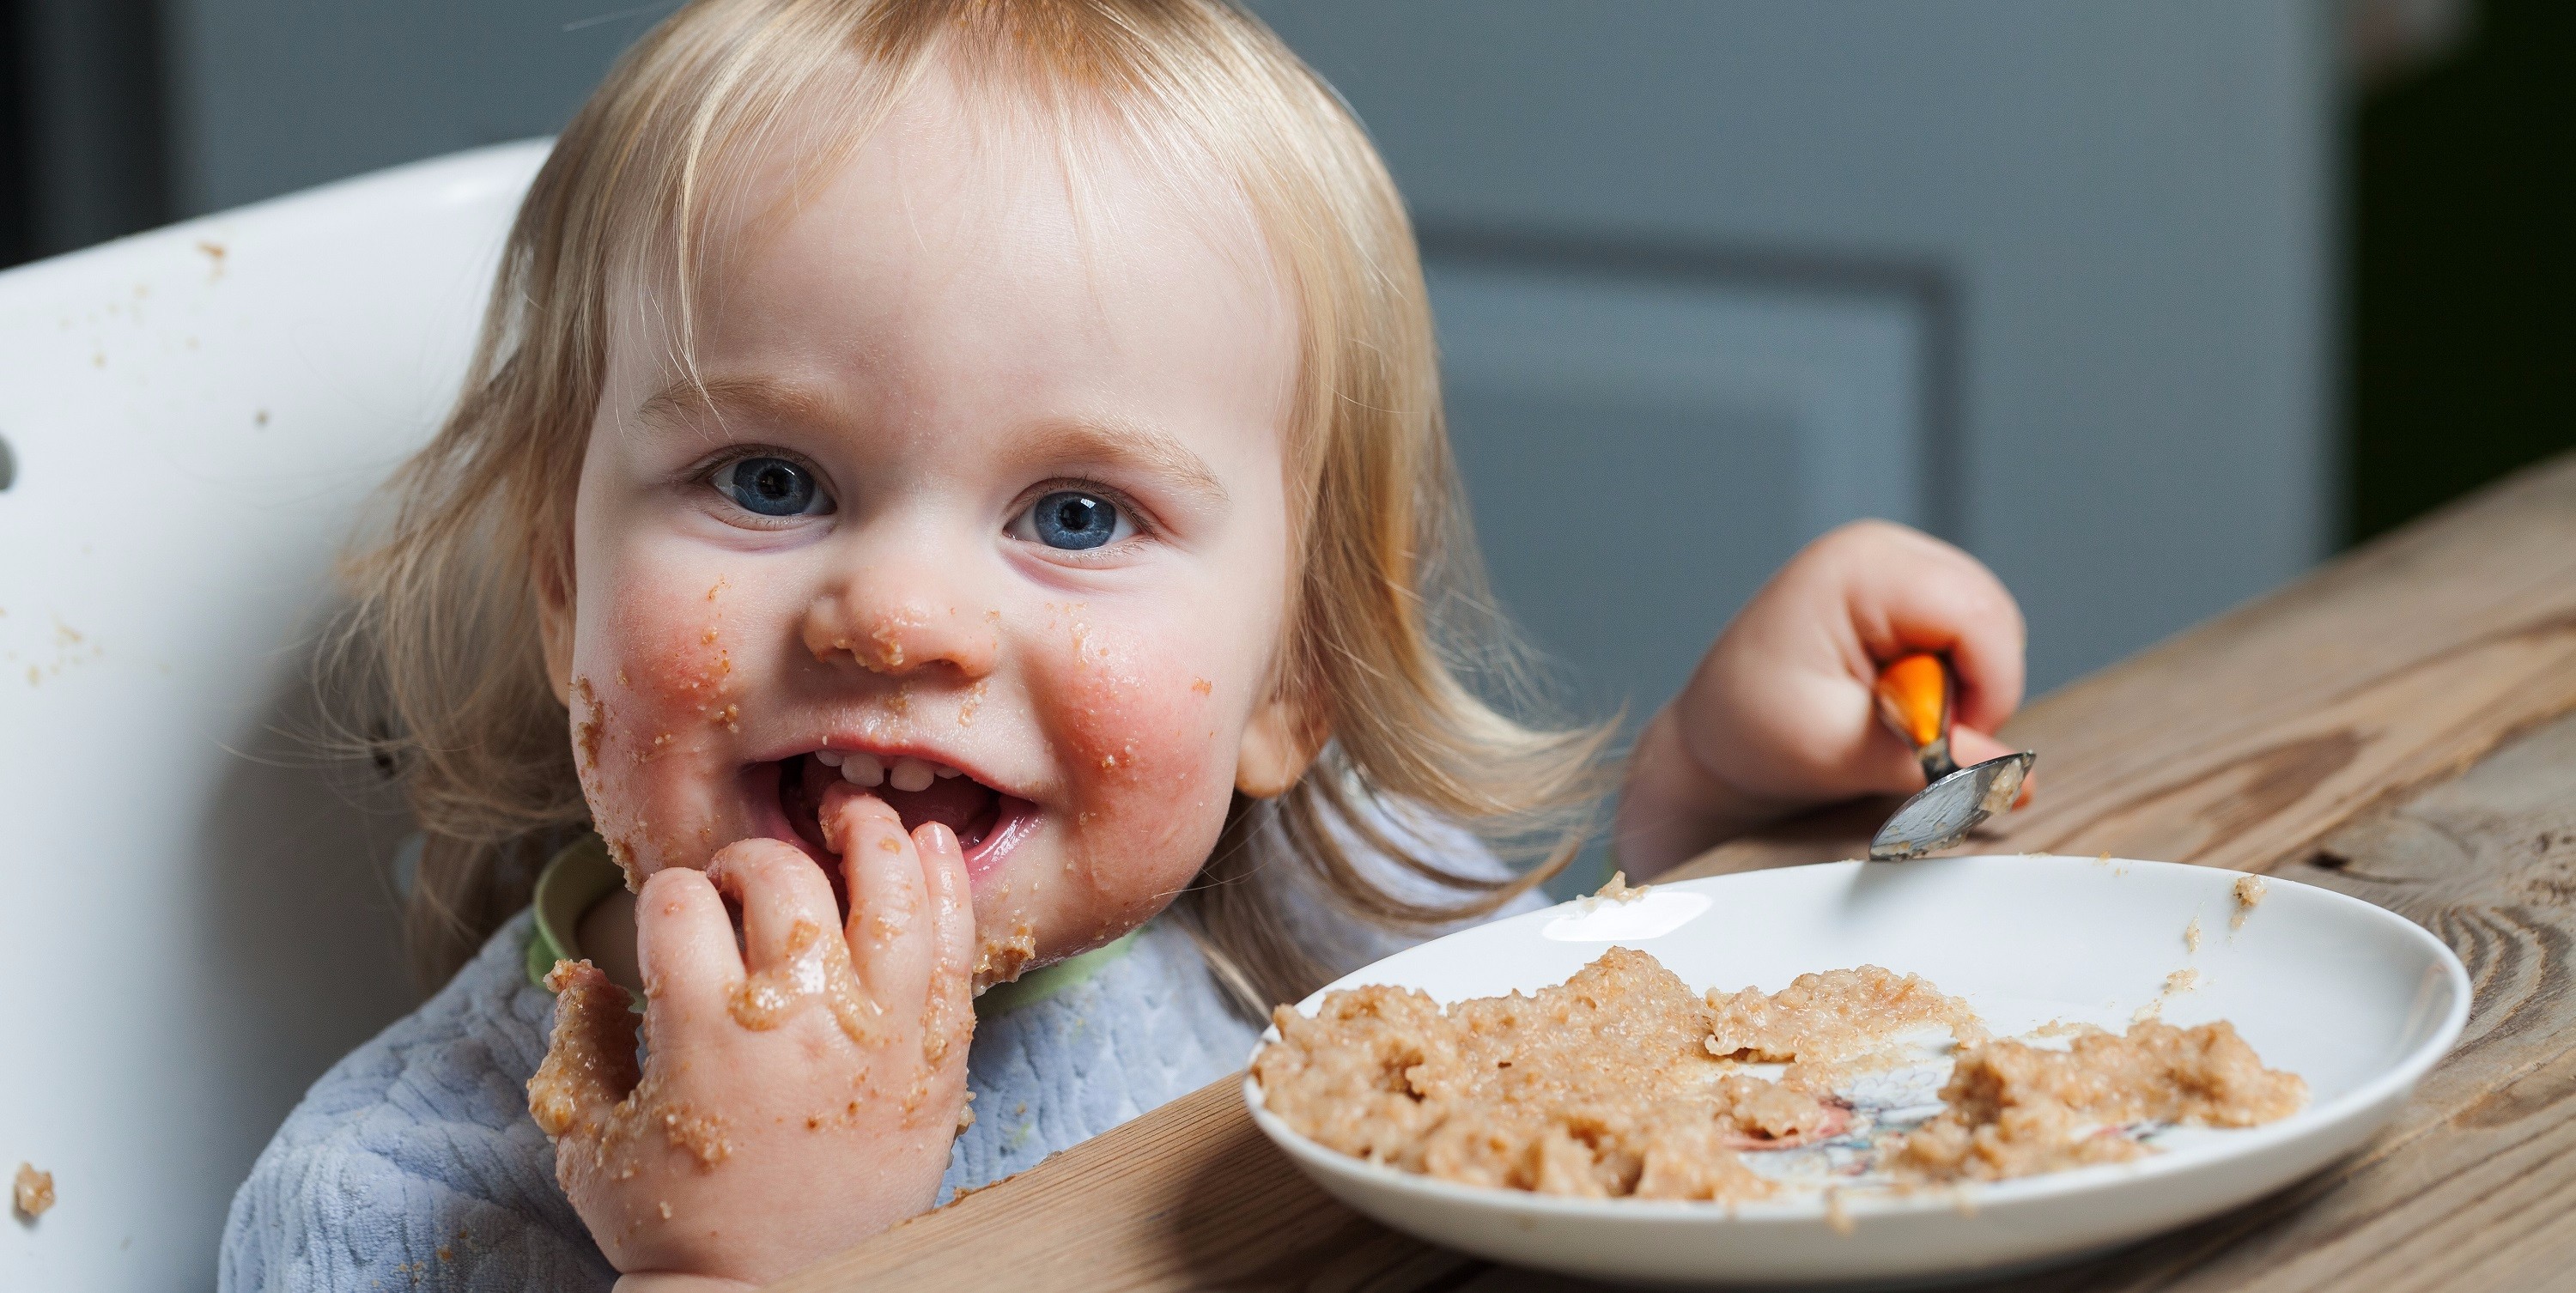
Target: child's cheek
{"x":654,"y":699}
{"x":1149,"y":735}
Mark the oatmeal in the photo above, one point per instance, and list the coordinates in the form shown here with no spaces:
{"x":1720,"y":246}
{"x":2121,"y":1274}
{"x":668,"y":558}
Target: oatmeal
{"x":1600,"y":1087}
{"x":2018,"y":1110}
{"x":1623,"y":1082}
{"x":1832,"y":1017}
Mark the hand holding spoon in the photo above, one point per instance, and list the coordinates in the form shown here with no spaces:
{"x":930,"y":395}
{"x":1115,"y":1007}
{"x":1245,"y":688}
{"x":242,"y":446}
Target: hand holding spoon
{"x":1915,"y":695}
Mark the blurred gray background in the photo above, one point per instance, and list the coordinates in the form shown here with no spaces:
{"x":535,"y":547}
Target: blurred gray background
{"x":2065,"y":283}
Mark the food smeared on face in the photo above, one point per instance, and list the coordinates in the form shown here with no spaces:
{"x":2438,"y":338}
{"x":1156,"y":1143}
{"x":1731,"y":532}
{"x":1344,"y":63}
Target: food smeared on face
{"x":989,"y":521}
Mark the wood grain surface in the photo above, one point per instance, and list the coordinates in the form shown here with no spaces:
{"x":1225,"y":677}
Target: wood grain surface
{"x":2298,"y":735}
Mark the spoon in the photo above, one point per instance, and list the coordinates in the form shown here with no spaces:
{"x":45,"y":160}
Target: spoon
{"x":1915,"y":694}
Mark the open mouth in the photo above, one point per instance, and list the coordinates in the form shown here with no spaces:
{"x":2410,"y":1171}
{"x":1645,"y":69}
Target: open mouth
{"x":986,"y":821}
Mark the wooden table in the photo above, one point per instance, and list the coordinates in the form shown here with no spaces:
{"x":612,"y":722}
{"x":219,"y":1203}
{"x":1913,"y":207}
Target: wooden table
{"x":2390,"y":727}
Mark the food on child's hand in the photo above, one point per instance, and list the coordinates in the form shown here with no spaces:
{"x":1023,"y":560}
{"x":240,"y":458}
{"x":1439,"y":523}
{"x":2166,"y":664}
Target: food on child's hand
{"x":797,"y":1079}
{"x":1621,"y":1082}
{"x":589,"y":1094}
{"x":34,"y":1193}
{"x":590,"y":1058}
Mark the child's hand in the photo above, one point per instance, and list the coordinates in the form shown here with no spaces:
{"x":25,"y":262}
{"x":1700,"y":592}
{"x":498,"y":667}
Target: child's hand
{"x":797,"y":1096}
{"x":1779,"y":715}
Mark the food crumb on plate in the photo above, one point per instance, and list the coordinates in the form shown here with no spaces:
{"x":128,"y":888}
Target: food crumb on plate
{"x":2176,"y":984}
{"x":2191,"y":935}
{"x":1617,"y":889}
{"x":2249,"y":895}
{"x":35,"y":1191}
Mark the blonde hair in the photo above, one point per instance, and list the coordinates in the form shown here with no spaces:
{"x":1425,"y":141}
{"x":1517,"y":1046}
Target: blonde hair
{"x":1390,"y":632}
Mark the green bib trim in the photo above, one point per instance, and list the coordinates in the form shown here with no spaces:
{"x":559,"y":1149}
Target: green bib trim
{"x":576,"y":879}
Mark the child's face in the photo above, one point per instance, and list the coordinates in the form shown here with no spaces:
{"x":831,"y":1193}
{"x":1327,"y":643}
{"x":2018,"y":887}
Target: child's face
{"x":990,"y":482}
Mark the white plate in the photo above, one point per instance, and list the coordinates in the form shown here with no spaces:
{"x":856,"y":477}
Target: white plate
{"x":2355,"y":999}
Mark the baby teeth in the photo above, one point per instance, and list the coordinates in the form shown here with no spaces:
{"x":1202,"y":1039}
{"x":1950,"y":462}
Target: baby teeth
{"x":910,"y":774}
{"x":861,"y":768}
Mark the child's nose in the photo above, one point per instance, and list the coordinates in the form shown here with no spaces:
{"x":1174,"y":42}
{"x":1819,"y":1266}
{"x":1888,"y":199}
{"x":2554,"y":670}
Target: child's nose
{"x":891,"y":630}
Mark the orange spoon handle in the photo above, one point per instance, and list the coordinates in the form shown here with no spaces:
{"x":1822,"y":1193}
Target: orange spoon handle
{"x":1915,"y":692}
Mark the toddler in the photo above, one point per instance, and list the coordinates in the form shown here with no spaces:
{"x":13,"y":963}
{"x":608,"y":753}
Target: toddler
{"x":943,"y":480}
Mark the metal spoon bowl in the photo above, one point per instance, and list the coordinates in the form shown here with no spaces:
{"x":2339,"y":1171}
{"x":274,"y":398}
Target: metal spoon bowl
{"x":1915,"y":695}
{"x":1941,"y":814}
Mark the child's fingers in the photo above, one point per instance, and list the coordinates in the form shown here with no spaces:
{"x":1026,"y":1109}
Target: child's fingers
{"x":952,"y":902}
{"x":952,"y":926}
{"x":684,"y":944}
{"x":890,"y":938}
{"x":779,"y":889}
{"x":590,"y":1058}
{"x":1909,"y":591}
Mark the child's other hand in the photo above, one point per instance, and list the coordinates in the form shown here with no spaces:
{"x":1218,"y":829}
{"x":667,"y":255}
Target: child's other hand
{"x":799,"y":1093}
{"x":1779,"y":715}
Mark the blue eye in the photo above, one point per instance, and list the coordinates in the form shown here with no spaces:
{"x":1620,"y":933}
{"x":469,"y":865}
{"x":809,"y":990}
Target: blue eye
{"x":1072,"y":520}
{"x":772,"y":487}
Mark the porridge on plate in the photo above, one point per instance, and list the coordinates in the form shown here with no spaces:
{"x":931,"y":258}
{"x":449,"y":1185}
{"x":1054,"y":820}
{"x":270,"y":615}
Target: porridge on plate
{"x":1623,"y":1082}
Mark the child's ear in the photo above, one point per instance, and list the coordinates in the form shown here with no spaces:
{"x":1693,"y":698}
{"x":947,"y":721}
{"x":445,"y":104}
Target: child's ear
{"x":554,"y":632}
{"x":1278,"y":744}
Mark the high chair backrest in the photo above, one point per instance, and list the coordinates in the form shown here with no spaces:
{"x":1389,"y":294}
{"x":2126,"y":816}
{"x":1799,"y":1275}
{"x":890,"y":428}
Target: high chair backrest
{"x":196,"y":903}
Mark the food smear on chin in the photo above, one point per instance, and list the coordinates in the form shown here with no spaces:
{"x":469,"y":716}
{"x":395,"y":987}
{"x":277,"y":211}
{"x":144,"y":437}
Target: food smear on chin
{"x":1001,"y":958}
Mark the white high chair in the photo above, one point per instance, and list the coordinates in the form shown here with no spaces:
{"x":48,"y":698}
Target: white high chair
{"x":196,"y":912}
